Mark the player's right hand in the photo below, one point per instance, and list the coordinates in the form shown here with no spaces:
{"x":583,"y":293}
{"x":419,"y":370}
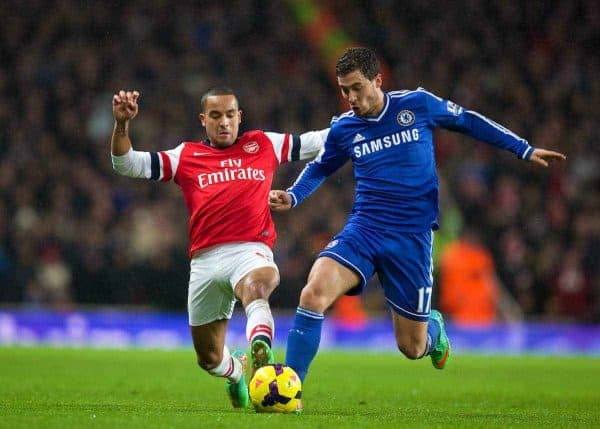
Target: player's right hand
{"x":279,"y":201}
{"x":543,"y":156}
{"x":125,"y":106}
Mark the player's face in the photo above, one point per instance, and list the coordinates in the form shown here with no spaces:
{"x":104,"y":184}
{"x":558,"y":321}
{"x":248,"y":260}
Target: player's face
{"x":221,"y":118}
{"x":364,"y":95}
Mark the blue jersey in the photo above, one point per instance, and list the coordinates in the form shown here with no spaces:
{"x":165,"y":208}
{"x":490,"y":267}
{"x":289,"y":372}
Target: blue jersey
{"x":393,"y":158}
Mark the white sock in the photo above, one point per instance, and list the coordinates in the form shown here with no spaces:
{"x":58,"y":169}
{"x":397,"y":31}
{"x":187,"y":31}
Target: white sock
{"x":260,"y":321}
{"x":229,"y":368}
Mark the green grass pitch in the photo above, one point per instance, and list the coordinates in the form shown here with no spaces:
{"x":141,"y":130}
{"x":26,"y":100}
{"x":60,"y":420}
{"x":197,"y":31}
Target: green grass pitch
{"x":87,"y":388}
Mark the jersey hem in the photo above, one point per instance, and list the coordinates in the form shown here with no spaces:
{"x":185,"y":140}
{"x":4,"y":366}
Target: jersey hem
{"x":213,"y":244}
{"x":405,"y":313}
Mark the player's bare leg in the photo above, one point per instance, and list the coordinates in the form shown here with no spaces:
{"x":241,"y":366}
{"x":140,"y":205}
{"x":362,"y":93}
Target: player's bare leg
{"x":254,"y":290}
{"x":213,"y":356}
{"x":327,"y":281}
{"x":411,"y":336}
{"x":414,"y":338}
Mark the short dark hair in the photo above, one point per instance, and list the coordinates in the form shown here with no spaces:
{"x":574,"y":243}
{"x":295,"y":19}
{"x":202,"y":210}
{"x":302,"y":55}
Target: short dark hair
{"x":217,"y":90}
{"x":359,"y":58}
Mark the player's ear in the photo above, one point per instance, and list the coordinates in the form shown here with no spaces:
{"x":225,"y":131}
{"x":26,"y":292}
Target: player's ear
{"x":240,"y":115}
{"x":378,"y":80}
{"x":202,"y":119}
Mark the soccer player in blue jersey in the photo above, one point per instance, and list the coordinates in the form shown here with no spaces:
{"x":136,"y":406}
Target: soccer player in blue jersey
{"x":389,"y":138}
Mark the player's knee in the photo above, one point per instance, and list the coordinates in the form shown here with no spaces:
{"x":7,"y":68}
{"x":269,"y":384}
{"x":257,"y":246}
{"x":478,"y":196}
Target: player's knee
{"x":256,"y":287}
{"x":313,"y":298}
{"x":259,"y":290}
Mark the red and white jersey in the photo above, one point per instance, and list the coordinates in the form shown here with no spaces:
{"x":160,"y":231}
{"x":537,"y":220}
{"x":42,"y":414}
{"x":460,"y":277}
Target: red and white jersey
{"x":226,"y":190}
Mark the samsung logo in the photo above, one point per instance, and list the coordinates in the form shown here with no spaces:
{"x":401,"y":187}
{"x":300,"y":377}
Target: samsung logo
{"x":368,"y":147}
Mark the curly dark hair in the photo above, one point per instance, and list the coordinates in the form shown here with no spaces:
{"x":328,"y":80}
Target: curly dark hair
{"x":362,"y":59}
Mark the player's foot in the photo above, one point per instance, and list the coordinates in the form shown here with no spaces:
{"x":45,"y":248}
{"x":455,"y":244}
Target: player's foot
{"x":261,"y":355}
{"x":238,"y":392}
{"x":441,"y":353}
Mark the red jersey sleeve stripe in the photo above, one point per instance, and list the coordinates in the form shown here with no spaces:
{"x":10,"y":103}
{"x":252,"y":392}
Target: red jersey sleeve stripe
{"x":167,"y":169}
{"x":285,"y":149}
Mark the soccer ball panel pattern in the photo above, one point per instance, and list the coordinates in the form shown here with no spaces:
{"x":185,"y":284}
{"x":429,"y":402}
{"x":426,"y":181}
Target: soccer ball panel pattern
{"x":275,"y":388}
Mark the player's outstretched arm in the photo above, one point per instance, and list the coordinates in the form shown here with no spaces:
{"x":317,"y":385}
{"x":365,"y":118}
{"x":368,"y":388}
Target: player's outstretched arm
{"x":125,"y":108}
{"x":543,"y":156}
{"x":279,"y":201}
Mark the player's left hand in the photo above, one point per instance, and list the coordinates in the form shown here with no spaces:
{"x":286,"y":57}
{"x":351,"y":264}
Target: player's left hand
{"x":542,"y":156}
{"x":279,"y":200}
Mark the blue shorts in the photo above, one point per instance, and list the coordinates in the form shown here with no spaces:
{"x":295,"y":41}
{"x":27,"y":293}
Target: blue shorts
{"x":402,"y":261}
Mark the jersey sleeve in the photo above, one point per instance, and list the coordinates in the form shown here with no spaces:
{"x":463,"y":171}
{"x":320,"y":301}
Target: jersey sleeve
{"x":289,"y":147}
{"x":159,"y":166}
{"x":329,"y":160}
{"x":446,"y":114}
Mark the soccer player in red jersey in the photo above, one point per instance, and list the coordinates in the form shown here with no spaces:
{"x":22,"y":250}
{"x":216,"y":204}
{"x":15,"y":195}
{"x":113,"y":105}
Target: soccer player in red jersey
{"x":225,"y":182}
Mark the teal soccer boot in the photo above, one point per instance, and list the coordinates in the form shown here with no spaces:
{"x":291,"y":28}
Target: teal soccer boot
{"x":238,"y":392}
{"x":441,"y":353}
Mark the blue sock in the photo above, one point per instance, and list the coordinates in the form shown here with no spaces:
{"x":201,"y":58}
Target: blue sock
{"x":303,"y":340}
{"x":433,"y":335}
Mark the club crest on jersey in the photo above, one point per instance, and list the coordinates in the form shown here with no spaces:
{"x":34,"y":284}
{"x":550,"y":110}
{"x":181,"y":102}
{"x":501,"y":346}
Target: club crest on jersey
{"x":332,"y":244}
{"x":406,"y":118}
{"x":251,"y":147}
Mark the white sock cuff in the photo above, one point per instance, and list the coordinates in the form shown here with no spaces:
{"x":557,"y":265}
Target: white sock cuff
{"x":257,"y":304}
{"x":225,"y":368}
{"x":309,"y":313}
{"x":260,"y":320}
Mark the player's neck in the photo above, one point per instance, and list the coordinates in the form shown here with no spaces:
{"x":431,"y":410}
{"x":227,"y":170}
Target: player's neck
{"x":380,"y":102}
{"x":214,"y":145}
{"x":379,"y":105}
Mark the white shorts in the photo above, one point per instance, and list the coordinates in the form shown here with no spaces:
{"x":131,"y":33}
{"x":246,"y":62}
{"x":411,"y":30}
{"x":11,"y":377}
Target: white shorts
{"x":214,"y":274}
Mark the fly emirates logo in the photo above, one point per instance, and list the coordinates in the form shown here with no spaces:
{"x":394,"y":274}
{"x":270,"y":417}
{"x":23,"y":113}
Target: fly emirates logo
{"x":231,"y":170}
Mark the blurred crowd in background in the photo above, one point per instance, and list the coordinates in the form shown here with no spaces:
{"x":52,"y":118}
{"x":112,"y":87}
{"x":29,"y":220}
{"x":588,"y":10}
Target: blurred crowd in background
{"x":74,"y":233}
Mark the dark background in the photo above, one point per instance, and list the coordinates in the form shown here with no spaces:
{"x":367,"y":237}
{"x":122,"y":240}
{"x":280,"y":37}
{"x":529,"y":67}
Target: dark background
{"x":74,"y":233}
